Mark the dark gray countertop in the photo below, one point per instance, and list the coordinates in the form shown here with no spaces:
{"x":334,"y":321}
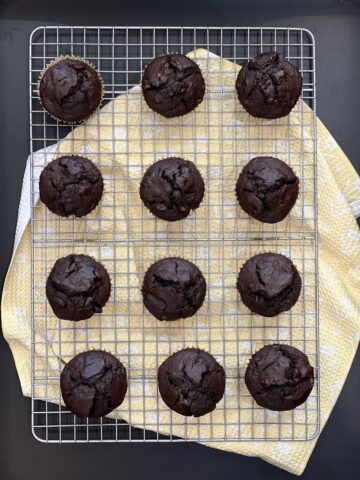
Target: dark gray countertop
{"x":336,"y":26}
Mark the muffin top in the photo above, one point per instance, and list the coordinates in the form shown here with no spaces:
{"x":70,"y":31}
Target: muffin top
{"x":93,"y":384}
{"x":173,"y":288}
{"x":71,"y":185}
{"x":279,"y":377}
{"x":173,"y":85}
{"x":171,"y":188}
{"x":267,"y":189}
{"x":269,"y":86}
{"x":269,"y":284}
{"x":78,"y":286}
{"x":70,"y":90}
{"x":191,"y":382}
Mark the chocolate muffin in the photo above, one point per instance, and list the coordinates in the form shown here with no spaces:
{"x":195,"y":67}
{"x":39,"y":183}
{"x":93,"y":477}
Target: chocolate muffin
{"x":78,"y":286}
{"x":269,"y":86}
{"x":191,"y":382}
{"x":267,"y":189}
{"x":171,"y":188}
{"x":173,"y":288}
{"x":173,"y":85}
{"x":71,"y":185}
{"x":93,"y":384}
{"x":279,"y":377}
{"x":70,"y":90}
{"x":269,"y":284}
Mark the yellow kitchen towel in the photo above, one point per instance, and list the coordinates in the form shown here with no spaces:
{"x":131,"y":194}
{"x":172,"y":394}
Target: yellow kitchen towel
{"x":105,"y":140}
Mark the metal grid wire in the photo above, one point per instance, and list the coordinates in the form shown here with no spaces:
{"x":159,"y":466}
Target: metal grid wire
{"x":120,"y":54}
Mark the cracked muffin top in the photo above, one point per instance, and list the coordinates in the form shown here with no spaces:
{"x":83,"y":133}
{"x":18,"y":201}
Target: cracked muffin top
{"x":191,"y":382}
{"x":279,"y":377}
{"x":93,"y":384}
{"x":269,"y":86}
{"x":173,"y":288}
{"x":70,"y":90}
{"x":171,"y":188}
{"x":172,"y":85}
{"x":71,"y":185}
{"x":269,"y":284}
{"x":267,"y":189}
{"x":78,"y":286}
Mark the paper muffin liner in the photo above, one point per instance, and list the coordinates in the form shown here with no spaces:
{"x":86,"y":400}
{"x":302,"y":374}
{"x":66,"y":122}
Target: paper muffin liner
{"x":165,"y":158}
{"x":56,"y":156}
{"x":164,"y":55}
{"x":80,"y":59}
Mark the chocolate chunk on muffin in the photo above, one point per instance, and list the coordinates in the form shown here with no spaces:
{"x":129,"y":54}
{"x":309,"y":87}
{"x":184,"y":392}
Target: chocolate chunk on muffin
{"x":93,"y":384}
{"x":78,"y":286}
{"x":171,"y":188}
{"x":191,"y":382}
{"x":173,"y":288}
{"x":173,"y":85}
{"x":267,"y":189}
{"x":279,"y":377}
{"x":269,"y":284}
{"x":71,"y":185}
{"x":70,"y":90}
{"x":269,"y":86}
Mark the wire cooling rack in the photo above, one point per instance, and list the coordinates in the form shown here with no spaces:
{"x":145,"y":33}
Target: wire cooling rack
{"x":125,"y":328}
